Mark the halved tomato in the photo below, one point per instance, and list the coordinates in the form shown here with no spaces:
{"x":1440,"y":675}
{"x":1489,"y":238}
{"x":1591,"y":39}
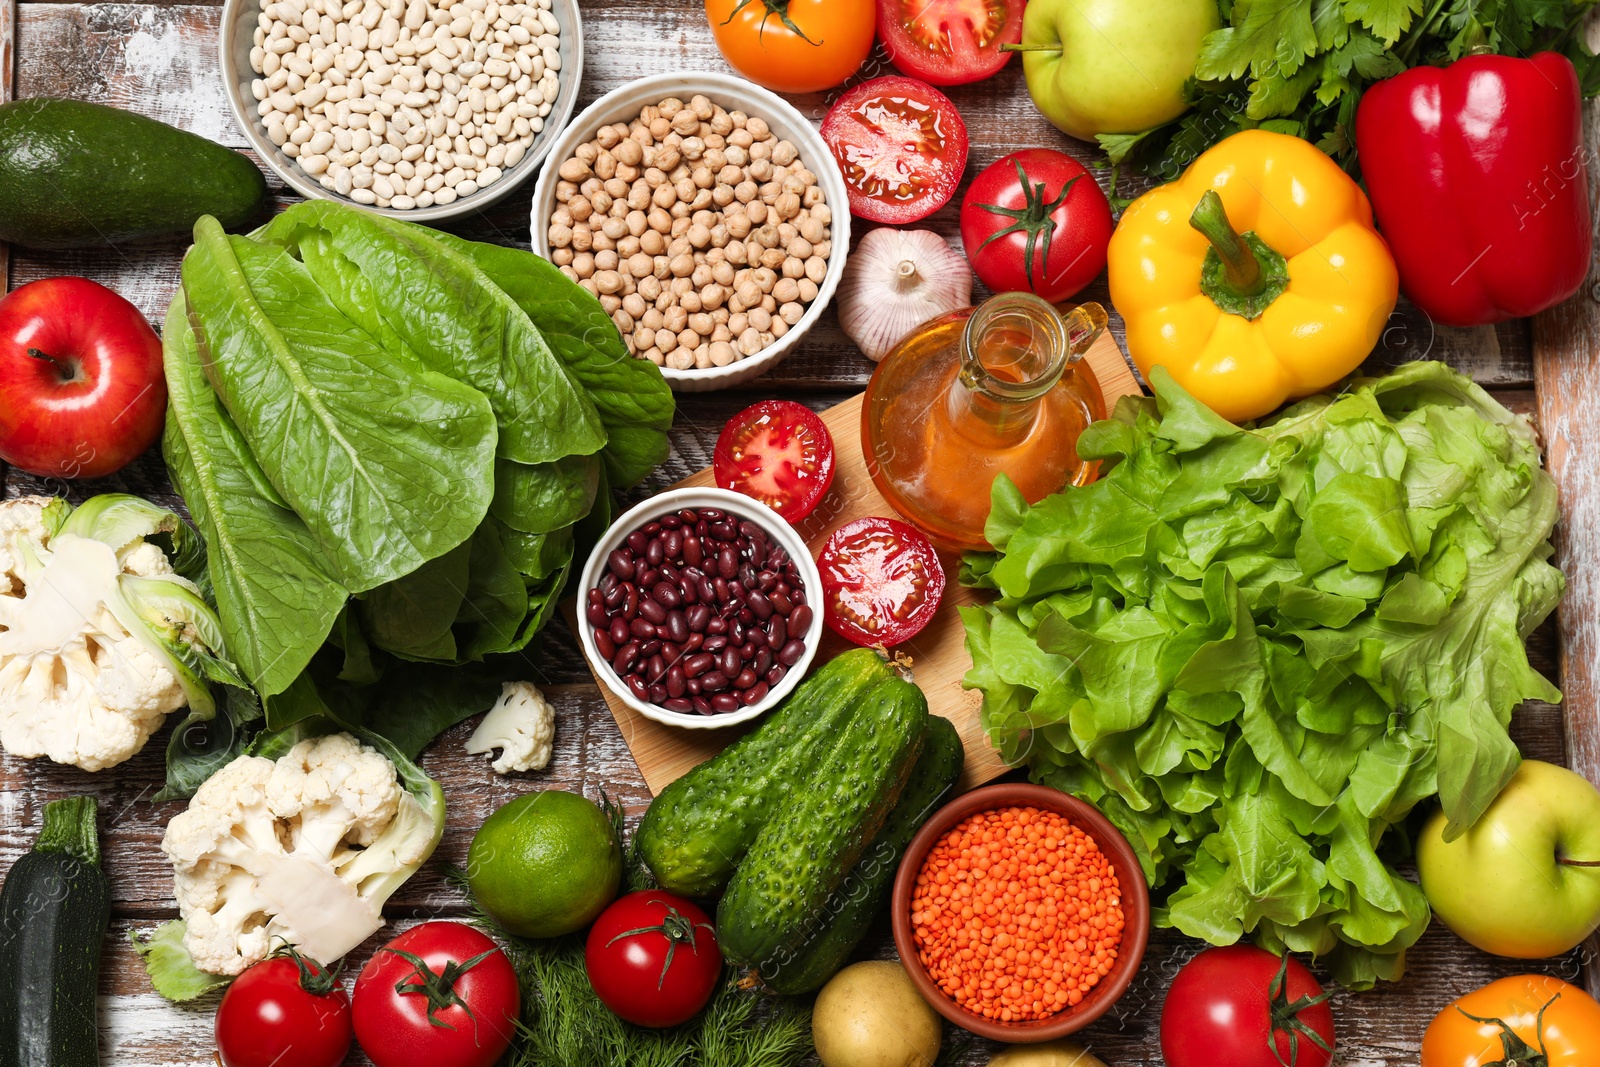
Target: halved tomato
{"x":901,"y":145}
{"x":949,"y":42}
{"x":881,"y":582}
{"x":778,"y":452}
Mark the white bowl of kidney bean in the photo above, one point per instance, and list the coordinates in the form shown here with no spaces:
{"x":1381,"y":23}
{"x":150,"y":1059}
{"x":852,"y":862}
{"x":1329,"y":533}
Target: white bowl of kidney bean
{"x":698,"y":609}
{"x":718,"y":288}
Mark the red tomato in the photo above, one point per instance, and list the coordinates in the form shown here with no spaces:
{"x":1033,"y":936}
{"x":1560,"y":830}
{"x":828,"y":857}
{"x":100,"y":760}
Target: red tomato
{"x":1036,"y":221}
{"x":81,"y":387}
{"x":949,"y":42}
{"x":442,"y":994}
{"x":287,"y":1009}
{"x":901,"y":145}
{"x":882,"y":581}
{"x":653,"y":959}
{"x":778,"y":452}
{"x":1245,"y":1007}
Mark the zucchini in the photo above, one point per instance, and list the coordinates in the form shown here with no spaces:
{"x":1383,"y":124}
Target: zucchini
{"x":696,"y":832}
{"x":54,"y":912}
{"x":817,"y":835}
{"x":859,"y":898}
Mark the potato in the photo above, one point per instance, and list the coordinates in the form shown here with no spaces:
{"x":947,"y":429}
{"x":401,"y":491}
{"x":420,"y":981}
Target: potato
{"x":1054,"y":1054}
{"x":871,"y":1015}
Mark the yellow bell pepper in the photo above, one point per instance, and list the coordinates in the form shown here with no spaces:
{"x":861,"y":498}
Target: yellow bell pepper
{"x":1246,"y":322}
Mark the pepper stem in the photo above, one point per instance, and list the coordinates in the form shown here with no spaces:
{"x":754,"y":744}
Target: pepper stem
{"x":1243,"y":269}
{"x":1242,"y":275}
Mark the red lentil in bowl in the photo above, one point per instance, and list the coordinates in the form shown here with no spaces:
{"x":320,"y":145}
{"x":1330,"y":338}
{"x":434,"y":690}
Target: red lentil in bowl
{"x":949,"y":955}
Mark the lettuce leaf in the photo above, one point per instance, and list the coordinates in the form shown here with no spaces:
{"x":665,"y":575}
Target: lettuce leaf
{"x":388,"y":464}
{"x":1258,"y":649}
{"x":455,"y":319}
{"x":394,"y":443}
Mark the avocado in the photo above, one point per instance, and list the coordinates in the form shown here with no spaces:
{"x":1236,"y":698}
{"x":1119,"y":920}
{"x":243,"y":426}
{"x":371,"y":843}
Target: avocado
{"x":78,"y":175}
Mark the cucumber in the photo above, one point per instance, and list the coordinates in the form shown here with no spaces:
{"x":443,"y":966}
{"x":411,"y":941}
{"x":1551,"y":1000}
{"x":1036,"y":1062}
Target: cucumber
{"x":819,"y":832}
{"x":696,"y":832}
{"x":54,"y":912}
{"x":79,"y":175}
{"x":850,"y":911}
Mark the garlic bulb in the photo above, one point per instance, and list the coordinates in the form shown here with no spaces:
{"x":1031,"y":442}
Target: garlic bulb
{"x":895,"y":281}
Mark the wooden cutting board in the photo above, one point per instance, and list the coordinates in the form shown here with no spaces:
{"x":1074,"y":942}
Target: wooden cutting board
{"x":938,"y":654}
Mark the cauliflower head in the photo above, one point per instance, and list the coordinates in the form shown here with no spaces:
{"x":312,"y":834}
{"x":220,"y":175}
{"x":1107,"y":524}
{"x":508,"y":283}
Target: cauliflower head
{"x":99,"y":639}
{"x":304,"y":849}
{"x":522,"y":725}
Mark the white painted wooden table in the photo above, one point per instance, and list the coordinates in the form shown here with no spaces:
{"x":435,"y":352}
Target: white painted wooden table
{"x":160,"y":59}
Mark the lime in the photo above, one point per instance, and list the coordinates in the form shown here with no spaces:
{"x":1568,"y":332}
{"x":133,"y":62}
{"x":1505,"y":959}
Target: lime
{"x":545,"y":864}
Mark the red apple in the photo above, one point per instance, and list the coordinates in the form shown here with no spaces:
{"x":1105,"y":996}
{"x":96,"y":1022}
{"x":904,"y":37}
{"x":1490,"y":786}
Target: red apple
{"x":81,"y":388}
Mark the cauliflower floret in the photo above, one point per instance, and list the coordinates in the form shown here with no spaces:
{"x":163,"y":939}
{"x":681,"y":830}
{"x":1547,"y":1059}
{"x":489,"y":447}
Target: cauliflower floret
{"x":21,"y":520}
{"x":147,"y":561}
{"x":522,"y":725}
{"x":304,"y":849}
{"x":76,"y":684}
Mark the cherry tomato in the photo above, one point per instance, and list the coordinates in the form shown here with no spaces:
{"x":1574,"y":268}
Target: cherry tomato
{"x":793,"y":46}
{"x":1036,"y":221}
{"x":442,"y":994}
{"x":901,"y":145}
{"x":778,"y":452}
{"x":653,"y":959}
{"x":287,"y":1009}
{"x":1531,"y":1019}
{"x":949,"y":42}
{"x":1233,"y":1005}
{"x":882,"y":582}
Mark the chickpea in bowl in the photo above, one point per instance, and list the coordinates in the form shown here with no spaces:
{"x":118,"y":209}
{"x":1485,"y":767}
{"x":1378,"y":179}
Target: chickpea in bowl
{"x":724,"y":240}
{"x":701,"y":211}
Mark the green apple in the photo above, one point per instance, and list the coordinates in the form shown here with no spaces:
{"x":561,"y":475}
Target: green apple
{"x":1525,"y":880}
{"x":1112,"y":66}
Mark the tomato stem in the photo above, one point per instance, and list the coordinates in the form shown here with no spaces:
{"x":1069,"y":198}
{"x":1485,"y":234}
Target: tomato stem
{"x":779,"y":8}
{"x":314,"y":977}
{"x":677,"y":929}
{"x":68,"y":369}
{"x":1284,"y":1017}
{"x":438,"y":986}
{"x":1518,"y":1053}
{"x":1035,"y":218}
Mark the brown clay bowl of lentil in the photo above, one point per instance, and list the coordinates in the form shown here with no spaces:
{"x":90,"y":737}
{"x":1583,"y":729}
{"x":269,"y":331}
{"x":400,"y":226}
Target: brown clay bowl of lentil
{"x":1020,"y":913}
{"x":708,"y":217}
{"x":697,"y":608}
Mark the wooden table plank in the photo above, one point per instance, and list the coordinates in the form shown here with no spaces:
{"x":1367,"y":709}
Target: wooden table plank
{"x":1566,"y":364}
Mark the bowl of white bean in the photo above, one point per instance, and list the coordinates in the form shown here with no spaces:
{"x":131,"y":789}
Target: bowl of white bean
{"x":418,"y":109}
{"x":706,"y":214}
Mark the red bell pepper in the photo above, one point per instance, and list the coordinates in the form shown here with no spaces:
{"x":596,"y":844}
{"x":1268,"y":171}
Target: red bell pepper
{"x":1478,"y":179}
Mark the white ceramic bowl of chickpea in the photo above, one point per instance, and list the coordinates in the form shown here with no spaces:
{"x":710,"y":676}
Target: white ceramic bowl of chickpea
{"x":685,"y":280}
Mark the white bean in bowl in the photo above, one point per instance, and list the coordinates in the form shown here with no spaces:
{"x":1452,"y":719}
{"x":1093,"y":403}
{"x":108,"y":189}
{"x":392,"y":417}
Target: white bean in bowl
{"x":405,"y":104}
